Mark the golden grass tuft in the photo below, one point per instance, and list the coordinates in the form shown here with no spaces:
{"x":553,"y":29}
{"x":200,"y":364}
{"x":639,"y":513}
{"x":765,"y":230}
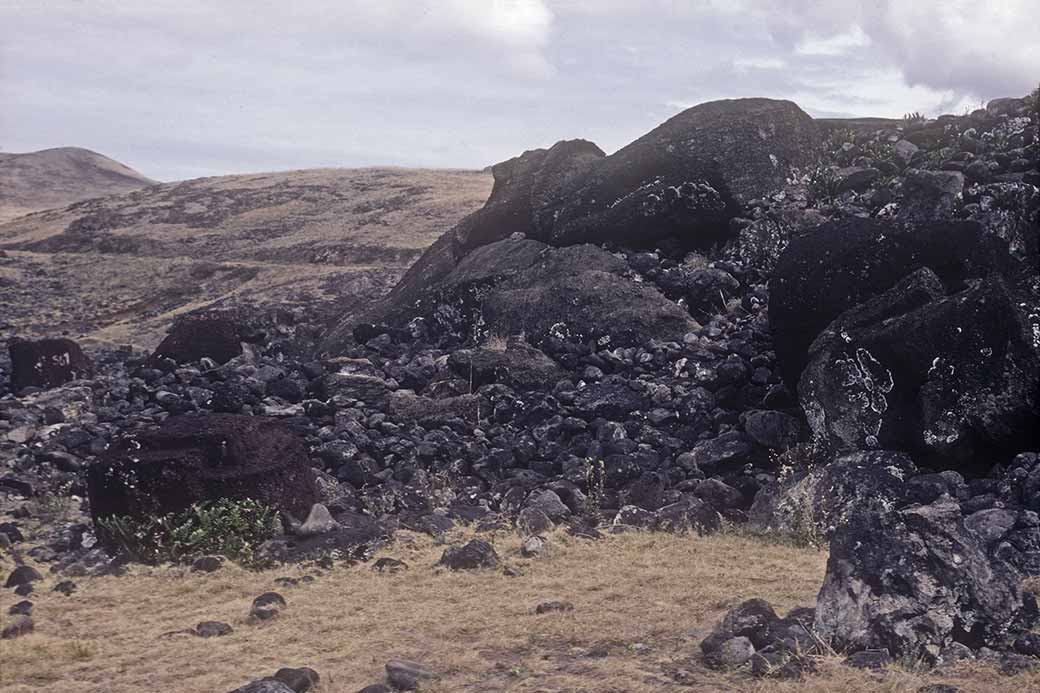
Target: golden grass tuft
{"x":644,"y":599}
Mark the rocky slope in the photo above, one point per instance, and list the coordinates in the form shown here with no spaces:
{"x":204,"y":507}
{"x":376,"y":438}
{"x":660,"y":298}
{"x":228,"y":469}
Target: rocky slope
{"x":746,"y":318}
{"x":56,"y":177}
{"x":120,"y":268}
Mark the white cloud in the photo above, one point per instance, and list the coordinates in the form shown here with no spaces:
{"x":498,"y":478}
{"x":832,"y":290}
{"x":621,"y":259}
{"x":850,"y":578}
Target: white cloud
{"x":196,"y":87}
{"x":836,"y":44}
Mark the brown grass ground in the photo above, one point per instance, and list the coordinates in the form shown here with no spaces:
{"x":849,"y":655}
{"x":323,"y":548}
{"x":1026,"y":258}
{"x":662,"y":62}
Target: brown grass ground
{"x":647,"y":599}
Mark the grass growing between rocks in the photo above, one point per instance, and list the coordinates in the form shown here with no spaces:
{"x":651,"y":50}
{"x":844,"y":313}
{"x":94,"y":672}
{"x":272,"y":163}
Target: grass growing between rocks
{"x":642,"y":600}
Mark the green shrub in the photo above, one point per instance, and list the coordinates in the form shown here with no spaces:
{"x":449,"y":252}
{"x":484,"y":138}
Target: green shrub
{"x":233,"y":528}
{"x":823,"y":186}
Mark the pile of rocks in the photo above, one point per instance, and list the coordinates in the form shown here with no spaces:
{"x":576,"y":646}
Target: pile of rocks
{"x":651,"y":339}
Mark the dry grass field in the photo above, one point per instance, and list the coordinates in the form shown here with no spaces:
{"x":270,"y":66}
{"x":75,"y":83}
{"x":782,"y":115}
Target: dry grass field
{"x":121,"y":268}
{"x":642,"y":604}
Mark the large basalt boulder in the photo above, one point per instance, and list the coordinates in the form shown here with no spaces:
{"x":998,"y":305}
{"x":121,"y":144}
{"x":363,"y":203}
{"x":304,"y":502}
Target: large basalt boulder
{"x":46,"y":363}
{"x":838,"y":265}
{"x":917,"y":580}
{"x":193,"y":337}
{"x":189,"y":459}
{"x":523,"y":286}
{"x":952,"y":380}
{"x":686,"y":178}
{"x":516,"y":363}
{"x":816,"y":503}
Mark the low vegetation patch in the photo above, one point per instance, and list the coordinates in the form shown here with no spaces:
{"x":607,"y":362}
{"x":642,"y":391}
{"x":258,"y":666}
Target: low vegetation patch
{"x":233,"y":528}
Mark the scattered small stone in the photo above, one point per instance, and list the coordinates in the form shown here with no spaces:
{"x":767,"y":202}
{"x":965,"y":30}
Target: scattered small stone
{"x":733,"y":653}
{"x":1028,"y":644}
{"x":286,"y":581}
{"x":16,"y":627}
{"x":265,"y":685}
{"x":555,"y":605}
{"x":940,"y":688}
{"x":405,"y":675}
{"x":66,"y":587}
{"x":212,"y":629}
{"x":22,"y":575}
{"x":207,"y":564}
{"x":11,"y":531}
{"x":319,"y":521}
{"x":267,"y":606}
{"x":389,"y":565}
{"x":533,"y":547}
{"x":23,"y":607}
{"x":476,"y":554}
{"x":869,"y":659}
{"x":300,"y":680}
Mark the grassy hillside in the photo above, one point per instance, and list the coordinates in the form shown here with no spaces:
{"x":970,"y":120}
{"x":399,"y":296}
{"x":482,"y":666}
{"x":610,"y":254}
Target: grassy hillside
{"x":120,"y":268}
{"x":56,"y":177}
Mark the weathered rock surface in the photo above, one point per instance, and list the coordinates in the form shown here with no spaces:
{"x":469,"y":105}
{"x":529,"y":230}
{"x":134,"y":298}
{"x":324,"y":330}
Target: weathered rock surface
{"x":195,"y":336}
{"x":815,"y":504}
{"x":950,"y":379}
{"x":189,"y":459}
{"x":46,"y":363}
{"x":838,"y":265}
{"x":684,"y":180}
{"x":916,"y":580}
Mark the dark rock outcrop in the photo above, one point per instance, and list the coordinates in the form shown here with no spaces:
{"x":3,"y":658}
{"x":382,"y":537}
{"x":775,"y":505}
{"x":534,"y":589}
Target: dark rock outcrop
{"x":814,"y":504}
{"x":950,"y":379}
{"x":518,"y":364}
{"x":213,"y":334}
{"x":523,"y":286}
{"x":46,"y":363}
{"x":839,"y":265}
{"x":189,"y":459}
{"x":684,"y":181}
{"x":686,"y":178}
{"x":917,"y":580}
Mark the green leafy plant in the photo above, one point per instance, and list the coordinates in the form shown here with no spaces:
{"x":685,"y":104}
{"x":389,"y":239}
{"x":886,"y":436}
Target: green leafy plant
{"x":595,"y":482}
{"x":233,"y":528}
{"x":823,"y":185}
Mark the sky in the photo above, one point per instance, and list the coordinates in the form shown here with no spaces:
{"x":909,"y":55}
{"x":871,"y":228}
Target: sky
{"x":186,"y":88}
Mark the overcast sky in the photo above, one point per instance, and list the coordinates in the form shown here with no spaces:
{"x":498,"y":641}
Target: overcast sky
{"x":185,"y":88}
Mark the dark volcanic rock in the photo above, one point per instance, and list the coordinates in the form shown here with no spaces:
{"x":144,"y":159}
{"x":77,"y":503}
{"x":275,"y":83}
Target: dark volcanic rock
{"x":522,"y":286}
{"x":197,"y":458}
{"x":686,"y":178}
{"x":195,"y":336}
{"x":518,"y":364}
{"x":475,"y":554}
{"x":46,"y":363}
{"x":818,"y":502}
{"x":839,"y":265}
{"x":916,"y":580}
{"x":949,"y":379}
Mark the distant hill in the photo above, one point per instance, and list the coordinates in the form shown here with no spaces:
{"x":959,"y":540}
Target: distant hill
{"x":120,"y":268}
{"x":55,"y":177}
